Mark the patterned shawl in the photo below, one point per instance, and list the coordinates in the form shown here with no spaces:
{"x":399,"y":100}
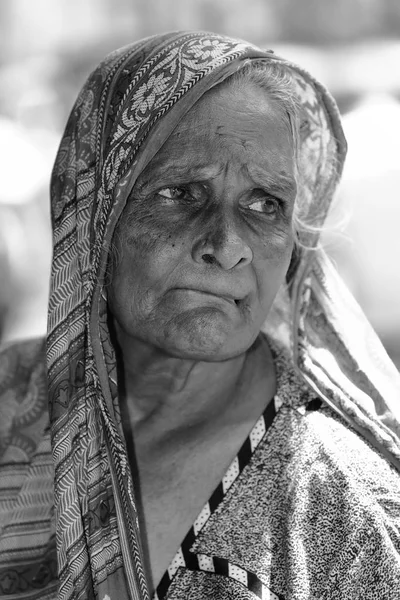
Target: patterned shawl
{"x":125,"y":112}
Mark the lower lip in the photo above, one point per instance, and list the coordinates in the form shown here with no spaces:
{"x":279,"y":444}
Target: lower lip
{"x":206,"y":295}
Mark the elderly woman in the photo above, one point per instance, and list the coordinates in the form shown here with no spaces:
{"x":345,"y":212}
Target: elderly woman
{"x":211,"y":415}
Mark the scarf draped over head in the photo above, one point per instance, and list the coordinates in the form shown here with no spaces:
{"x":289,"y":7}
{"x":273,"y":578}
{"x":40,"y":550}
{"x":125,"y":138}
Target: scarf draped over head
{"x":125,"y":112}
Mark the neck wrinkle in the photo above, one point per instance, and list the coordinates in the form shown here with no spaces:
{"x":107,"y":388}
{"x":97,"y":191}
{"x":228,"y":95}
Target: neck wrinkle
{"x":178,"y":391}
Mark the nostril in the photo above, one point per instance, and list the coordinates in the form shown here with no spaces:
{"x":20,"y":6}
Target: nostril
{"x":208,"y":258}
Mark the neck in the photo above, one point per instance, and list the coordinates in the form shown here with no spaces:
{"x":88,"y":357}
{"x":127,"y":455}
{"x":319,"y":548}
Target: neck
{"x":179,"y":391}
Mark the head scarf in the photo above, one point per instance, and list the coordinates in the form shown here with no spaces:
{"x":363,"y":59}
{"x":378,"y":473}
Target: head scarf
{"x":125,"y":112}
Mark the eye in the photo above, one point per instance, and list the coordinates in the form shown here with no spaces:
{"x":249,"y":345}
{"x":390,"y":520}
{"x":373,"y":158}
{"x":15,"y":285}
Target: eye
{"x":172,"y":193}
{"x":267,"y":206}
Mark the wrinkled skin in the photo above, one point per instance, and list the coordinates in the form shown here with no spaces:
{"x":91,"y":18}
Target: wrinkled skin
{"x":206,"y":238}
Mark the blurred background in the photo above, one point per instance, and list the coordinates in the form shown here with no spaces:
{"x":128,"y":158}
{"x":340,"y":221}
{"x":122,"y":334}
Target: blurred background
{"x":48,"y":47}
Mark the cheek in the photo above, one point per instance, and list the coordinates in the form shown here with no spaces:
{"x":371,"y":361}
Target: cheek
{"x":146,"y":253}
{"x":271,"y":263}
{"x":275,"y":246}
{"x":150,"y":233}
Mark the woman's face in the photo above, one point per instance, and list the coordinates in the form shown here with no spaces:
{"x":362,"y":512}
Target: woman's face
{"x":205,"y":240}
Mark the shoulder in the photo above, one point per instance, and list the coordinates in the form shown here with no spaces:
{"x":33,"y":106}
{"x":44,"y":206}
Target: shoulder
{"x":23,"y":392}
{"x":18,"y":359}
{"x":325,"y":442}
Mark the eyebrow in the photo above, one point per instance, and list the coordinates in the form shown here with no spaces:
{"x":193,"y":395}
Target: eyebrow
{"x":180,"y":173}
{"x":279,"y":183}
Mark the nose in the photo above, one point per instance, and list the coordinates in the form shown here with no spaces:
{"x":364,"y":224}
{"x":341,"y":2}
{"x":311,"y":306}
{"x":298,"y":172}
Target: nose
{"x":224,"y":246}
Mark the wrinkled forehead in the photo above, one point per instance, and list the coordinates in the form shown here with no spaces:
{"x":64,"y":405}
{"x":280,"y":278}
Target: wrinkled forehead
{"x":230,"y":130}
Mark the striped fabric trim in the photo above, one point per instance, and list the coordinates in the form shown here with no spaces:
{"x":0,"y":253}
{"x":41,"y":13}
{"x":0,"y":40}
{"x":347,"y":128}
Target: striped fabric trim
{"x":221,"y":566}
{"x":200,"y":562}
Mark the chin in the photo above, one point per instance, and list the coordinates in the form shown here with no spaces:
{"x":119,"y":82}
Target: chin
{"x":205,"y":339}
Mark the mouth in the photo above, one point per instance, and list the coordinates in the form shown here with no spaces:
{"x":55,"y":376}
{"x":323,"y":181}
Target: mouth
{"x":228,"y":297}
